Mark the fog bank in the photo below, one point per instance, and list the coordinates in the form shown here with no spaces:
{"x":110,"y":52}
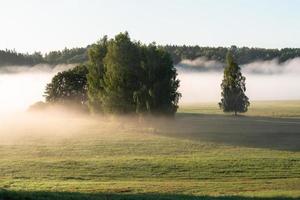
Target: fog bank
{"x":205,"y":87}
{"x":21,"y":86}
{"x":269,"y":67}
{"x":37,"y":69}
{"x":265,"y":80}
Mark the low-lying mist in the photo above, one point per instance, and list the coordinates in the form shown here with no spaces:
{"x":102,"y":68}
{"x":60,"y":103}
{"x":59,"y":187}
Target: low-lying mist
{"x":265,"y":80}
{"x":55,"y":125}
{"x":21,"y":86}
{"x":200,"y":80}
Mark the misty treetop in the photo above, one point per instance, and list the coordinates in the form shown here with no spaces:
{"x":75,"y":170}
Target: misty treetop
{"x":121,"y":77}
{"x":233,"y":87}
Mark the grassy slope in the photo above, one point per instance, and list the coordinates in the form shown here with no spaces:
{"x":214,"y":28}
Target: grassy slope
{"x":195,"y":155}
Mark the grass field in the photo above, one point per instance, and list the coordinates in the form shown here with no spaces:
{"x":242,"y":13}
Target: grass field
{"x":201,"y":154}
{"x":274,"y":109}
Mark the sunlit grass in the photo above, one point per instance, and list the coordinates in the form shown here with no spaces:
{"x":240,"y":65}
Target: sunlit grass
{"x":192,"y":155}
{"x":257,"y":108}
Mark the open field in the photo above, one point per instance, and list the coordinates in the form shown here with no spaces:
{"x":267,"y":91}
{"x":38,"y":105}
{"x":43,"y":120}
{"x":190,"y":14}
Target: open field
{"x":201,"y":154}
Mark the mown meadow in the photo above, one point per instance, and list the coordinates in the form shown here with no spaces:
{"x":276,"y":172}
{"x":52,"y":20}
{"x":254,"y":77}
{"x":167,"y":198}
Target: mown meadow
{"x":200,"y":154}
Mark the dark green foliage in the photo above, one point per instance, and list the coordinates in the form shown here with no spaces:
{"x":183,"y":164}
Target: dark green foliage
{"x":233,"y":87}
{"x":127,"y":77}
{"x":245,"y":55}
{"x":67,"y":56}
{"x":11,"y":57}
{"x":68,"y":86}
{"x":120,"y":81}
{"x":158,"y":84}
{"x":96,"y":54}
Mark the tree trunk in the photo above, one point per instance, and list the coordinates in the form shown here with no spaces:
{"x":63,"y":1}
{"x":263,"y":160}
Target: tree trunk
{"x":235,"y":113}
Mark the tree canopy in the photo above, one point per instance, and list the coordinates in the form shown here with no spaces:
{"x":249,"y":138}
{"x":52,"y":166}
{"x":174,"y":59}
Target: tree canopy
{"x":96,"y":54}
{"x":128,"y":77}
{"x":68,"y":87}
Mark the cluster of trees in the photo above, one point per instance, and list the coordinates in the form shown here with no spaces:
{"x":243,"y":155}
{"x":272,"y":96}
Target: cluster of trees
{"x":178,"y":53}
{"x":128,"y":77}
{"x":121,"y":77}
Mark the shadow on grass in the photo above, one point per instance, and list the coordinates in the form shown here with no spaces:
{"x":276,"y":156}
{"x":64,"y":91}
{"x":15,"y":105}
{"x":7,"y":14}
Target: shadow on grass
{"x":257,"y":132}
{"x":24,"y":195}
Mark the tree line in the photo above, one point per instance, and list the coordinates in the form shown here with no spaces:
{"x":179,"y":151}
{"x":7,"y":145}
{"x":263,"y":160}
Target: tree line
{"x":178,"y":53}
{"x":11,"y":57}
{"x":125,"y":77}
{"x":244,"y":55}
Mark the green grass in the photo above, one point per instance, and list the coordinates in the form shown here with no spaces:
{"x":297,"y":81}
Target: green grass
{"x":201,"y":154}
{"x":257,"y":108}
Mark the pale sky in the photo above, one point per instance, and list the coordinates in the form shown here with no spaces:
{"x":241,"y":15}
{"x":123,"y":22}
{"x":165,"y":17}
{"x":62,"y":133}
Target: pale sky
{"x":44,"y":25}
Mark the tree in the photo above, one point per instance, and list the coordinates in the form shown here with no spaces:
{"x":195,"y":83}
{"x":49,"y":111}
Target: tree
{"x":233,"y":88}
{"x":68,"y":87}
{"x":96,"y":54}
{"x":127,"y":77}
{"x":158,"y":82}
{"x":122,"y":67}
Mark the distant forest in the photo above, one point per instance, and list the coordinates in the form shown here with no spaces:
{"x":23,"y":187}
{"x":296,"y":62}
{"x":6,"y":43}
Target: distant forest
{"x":79,"y":55}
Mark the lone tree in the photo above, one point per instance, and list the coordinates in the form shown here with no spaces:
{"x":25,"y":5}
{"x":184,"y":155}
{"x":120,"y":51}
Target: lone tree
{"x":233,"y":88}
{"x":128,"y":77}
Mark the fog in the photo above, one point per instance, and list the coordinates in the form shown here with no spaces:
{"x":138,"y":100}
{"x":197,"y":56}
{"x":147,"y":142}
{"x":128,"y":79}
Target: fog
{"x":205,"y":87}
{"x":58,"y":125}
{"x":200,"y":80}
{"x":265,"y":80}
{"x":270,"y":67}
{"x":21,"y":86}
